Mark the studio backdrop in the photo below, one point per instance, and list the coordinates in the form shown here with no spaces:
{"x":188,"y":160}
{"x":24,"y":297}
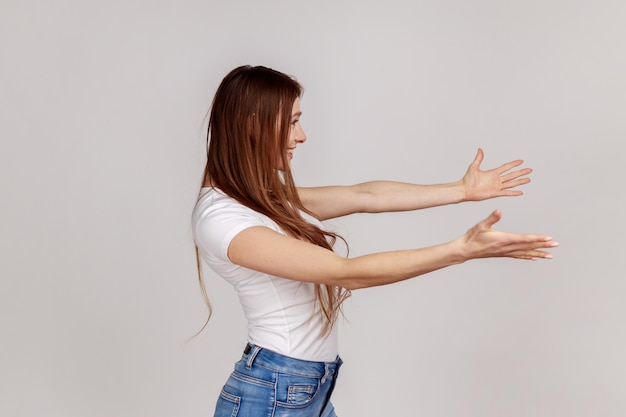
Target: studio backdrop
{"x":103,"y":110}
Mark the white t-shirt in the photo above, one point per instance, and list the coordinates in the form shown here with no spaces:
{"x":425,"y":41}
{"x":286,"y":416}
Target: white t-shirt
{"x":282,"y":314}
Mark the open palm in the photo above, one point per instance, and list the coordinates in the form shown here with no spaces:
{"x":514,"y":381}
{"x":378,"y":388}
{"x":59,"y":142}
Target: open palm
{"x":497,"y":182}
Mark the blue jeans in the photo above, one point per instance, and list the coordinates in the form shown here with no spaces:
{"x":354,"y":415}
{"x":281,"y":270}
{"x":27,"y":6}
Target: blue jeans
{"x":266,"y":384}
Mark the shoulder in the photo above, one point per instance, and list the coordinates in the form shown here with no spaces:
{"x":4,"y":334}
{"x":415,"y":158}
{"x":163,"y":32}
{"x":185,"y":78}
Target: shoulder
{"x":217,"y":218}
{"x":214,"y":202}
{"x":214,"y":206}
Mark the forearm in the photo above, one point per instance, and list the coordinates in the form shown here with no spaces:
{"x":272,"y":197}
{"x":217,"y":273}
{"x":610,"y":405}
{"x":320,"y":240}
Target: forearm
{"x":388,"y":196}
{"x":389,"y":267}
{"x":378,"y":197}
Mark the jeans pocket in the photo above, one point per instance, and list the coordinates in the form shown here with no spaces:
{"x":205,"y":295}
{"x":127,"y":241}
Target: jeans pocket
{"x":299,"y":394}
{"x":227,"y":405}
{"x":294,"y":391}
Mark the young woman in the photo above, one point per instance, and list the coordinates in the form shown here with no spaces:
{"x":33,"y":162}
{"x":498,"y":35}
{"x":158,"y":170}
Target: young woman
{"x":264,"y":235}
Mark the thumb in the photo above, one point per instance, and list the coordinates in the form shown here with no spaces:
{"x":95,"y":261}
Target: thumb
{"x":492,"y":219}
{"x":480,"y":155}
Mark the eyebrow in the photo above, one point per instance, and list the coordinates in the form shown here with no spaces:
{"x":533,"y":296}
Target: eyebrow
{"x":298,"y":114}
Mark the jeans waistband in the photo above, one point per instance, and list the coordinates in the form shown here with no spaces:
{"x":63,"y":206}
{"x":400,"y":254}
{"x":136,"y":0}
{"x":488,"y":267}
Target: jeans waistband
{"x":253,"y":354}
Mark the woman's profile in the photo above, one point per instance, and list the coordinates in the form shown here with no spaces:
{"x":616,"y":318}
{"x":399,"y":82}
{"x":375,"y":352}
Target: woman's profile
{"x":264,"y":235}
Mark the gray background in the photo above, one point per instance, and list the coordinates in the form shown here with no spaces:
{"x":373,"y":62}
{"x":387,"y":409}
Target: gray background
{"x":102,"y":112}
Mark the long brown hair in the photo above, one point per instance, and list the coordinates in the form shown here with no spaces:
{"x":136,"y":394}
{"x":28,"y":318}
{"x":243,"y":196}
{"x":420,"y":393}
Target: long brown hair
{"x":248,"y":135}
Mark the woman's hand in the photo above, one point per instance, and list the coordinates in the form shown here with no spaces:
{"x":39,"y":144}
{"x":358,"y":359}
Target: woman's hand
{"x":497,"y":182}
{"x":481,"y":241}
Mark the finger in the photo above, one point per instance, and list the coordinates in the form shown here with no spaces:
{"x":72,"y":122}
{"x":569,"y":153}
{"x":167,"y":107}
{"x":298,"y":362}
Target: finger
{"x":531,"y":255}
{"x":509,"y":165}
{"x":526,"y":258}
{"x":514,"y":175}
{"x":523,"y":257}
{"x":531,"y":245}
{"x":511,"y":193}
{"x":478,"y":159}
{"x":515,"y":183}
{"x":492,"y":219}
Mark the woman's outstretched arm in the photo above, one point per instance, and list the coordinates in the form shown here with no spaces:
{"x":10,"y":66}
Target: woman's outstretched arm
{"x":262,"y":249}
{"x":386,"y":196}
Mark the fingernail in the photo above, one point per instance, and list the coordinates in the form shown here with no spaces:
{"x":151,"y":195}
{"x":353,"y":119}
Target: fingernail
{"x":548,"y":256}
{"x":553,"y":244}
{"x":548,"y":238}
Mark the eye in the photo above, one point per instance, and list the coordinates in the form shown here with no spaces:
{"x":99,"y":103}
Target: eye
{"x":295,"y":122}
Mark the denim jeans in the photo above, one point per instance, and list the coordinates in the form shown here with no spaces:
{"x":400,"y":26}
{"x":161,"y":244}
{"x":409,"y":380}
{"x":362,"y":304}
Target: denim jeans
{"x":266,"y":384}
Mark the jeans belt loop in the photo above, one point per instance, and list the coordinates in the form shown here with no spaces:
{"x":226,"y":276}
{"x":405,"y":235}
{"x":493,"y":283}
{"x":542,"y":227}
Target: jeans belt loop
{"x":327,"y":373}
{"x":252,"y":356}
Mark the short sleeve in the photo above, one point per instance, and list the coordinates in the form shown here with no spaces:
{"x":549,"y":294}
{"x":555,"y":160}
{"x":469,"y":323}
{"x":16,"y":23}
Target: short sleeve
{"x":217,"y":219}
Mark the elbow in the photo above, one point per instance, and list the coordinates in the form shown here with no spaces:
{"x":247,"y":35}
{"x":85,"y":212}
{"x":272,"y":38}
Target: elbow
{"x":351,"y":273}
{"x":346,"y":277}
{"x":340,"y":275}
{"x":350,"y":285}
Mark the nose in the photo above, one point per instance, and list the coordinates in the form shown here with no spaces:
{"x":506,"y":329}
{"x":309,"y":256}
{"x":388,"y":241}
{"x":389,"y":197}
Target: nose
{"x":300,"y":135}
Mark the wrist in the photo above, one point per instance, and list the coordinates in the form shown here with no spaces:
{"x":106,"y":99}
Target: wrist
{"x":460,"y":191}
{"x":459,"y":251}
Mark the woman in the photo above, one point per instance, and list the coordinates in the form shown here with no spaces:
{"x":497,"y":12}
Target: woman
{"x":265,"y":236}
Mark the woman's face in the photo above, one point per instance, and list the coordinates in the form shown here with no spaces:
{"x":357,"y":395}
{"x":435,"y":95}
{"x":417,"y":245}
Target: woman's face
{"x":296,"y":134}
